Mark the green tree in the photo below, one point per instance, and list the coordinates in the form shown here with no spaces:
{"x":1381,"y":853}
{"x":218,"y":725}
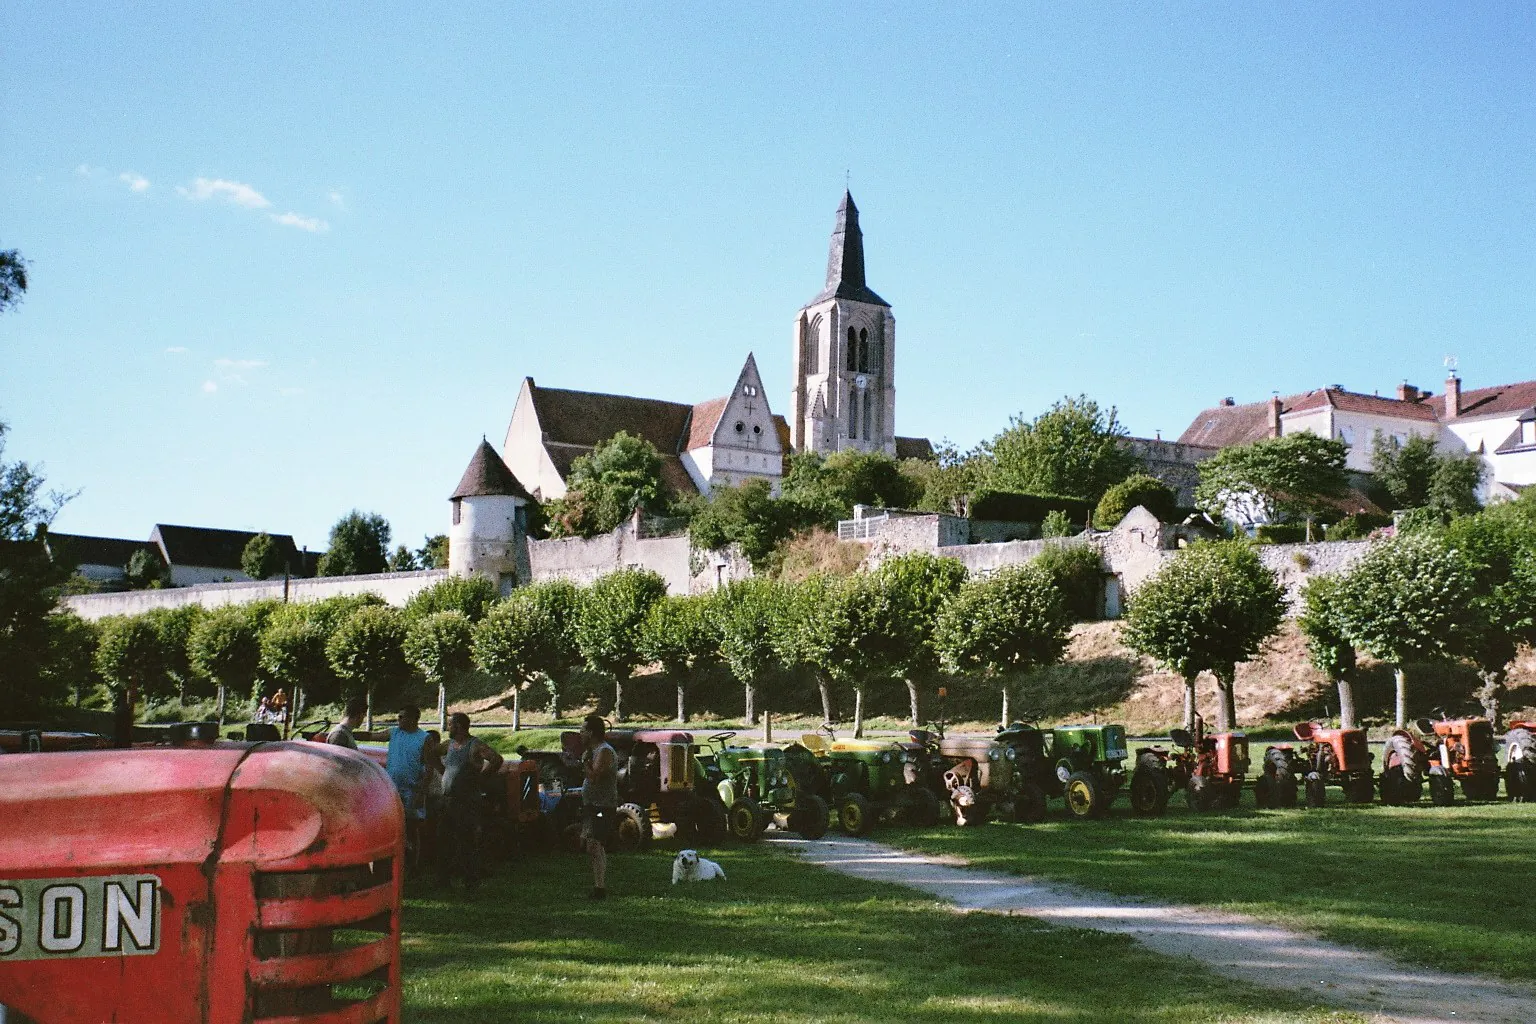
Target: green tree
{"x":225,"y":647}
{"x":175,"y":625}
{"x":1295,"y":476}
{"x":1328,"y":645}
{"x":1415,"y":474}
{"x":820,"y":490}
{"x":1212,"y":605}
{"x":679,"y":634}
{"x":262,"y":558}
{"x":520,"y":641}
{"x":293,"y":656}
{"x":402,"y":559}
{"x":359,"y":546}
{"x":13,"y":278}
{"x":1074,"y":449}
{"x":604,"y":488}
{"x":1408,"y":600}
{"x":1078,"y":572}
{"x":797,"y":638}
{"x":433,"y":553}
{"x":1137,"y":489}
{"x":745,"y":514}
{"x":69,"y":669}
{"x":749,"y":615}
{"x":837,"y":635}
{"x":1498,"y":547}
{"x":130,"y":657}
{"x":909,"y":592}
{"x":472,"y":595}
{"x":950,"y":479}
{"x":368,"y":652}
{"x":145,"y":571}
{"x":608,"y":623}
{"x":560,"y":601}
{"x":441,"y":646}
{"x":1056,"y":524}
{"x":30,"y":577}
{"x":1011,"y":621}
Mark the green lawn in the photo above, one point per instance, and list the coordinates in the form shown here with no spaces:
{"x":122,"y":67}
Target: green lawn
{"x":779,"y":942}
{"x":1444,"y":887}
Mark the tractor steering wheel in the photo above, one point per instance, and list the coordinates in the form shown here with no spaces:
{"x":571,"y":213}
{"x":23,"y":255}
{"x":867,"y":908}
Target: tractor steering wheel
{"x":721,"y":737}
{"x":319,"y":725}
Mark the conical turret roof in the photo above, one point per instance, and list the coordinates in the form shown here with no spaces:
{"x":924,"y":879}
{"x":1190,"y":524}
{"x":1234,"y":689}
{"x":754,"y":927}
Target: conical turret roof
{"x":845,"y":259}
{"x":487,"y":474}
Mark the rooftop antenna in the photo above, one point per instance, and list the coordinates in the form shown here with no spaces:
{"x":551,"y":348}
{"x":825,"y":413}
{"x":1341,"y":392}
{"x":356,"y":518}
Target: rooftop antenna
{"x":847,"y":180}
{"x":1450,"y":365}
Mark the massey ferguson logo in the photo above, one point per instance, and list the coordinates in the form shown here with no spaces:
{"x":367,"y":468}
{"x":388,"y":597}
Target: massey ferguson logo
{"x":102,"y":915}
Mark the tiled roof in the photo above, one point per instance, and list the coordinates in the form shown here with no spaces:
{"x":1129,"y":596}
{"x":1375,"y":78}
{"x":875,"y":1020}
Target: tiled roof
{"x":1353,"y":401}
{"x":216,"y":549}
{"x":673,"y":473}
{"x":781,"y":427}
{"x":1500,"y":400}
{"x":1227,"y":425}
{"x":702,"y":423}
{"x":487,"y":474}
{"x":84,"y":550}
{"x":585,"y":418}
{"x":914,"y":448}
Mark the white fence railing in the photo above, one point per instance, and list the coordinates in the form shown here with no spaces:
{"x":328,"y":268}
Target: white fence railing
{"x":861,"y":529}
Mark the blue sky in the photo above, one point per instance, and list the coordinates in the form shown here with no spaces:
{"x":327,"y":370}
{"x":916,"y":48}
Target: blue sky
{"x":287,"y":262}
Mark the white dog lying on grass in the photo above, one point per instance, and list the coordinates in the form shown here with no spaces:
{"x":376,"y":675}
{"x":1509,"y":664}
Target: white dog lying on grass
{"x":688,"y":866}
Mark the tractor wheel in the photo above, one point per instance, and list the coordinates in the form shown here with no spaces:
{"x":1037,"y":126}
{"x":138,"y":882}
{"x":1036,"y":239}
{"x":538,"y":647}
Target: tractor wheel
{"x":854,"y":815}
{"x":1149,"y":789}
{"x":1442,"y":790}
{"x":1029,"y":805}
{"x":1398,"y":790}
{"x":1519,"y":781}
{"x":1202,"y":794}
{"x":1480,"y":787}
{"x":746,"y":820}
{"x":1285,"y":790}
{"x":1264,"y":795}
{"x":632,"y":829}
{"x":706,"y":823}
{"x":809,"y":817}
{"x":1083,"y":796}
{"x":1360,"y":790}
{"x":922,"y":808}
{"x":1317,"y":791}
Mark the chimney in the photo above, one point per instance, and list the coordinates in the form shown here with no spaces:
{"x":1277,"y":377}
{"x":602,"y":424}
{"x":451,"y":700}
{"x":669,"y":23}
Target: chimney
{"x":1452,"y":397}
{"x":1229,"y":402}
{"x":1274,"y":415}
{"x":1407,"y":392}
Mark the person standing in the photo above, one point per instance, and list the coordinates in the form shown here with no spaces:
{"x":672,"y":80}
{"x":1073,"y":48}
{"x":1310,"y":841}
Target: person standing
{"x":466,"y":762}
{"x":341,"y":733}
{"x":410,"y":751}
{"x":599,"y":799}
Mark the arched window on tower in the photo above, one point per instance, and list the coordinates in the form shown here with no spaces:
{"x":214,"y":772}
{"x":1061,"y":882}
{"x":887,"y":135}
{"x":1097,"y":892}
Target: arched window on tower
{"x":877,"y":354}
{"x":868,"y":401}
{"x":853,"y":350}
{"x":810,"y":345}
{"x":853,"y":409}
{"x":863,"y":351}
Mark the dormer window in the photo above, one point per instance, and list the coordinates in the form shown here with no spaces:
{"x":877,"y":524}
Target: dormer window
{"x":749,"y":390}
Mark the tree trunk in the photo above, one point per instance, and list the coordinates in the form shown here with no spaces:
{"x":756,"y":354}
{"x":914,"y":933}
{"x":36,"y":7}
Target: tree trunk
{"x":682,"y":707}
{"x":618,"y":699}
{"x":517,"y":708}
{"x":221,"y":705}
{"x":368,"y":718}
{"x":442,"y":707}
{"x":1490,"y":695}
{"x":751,"y":698}
{"x":1005,"y":708}
{"x":912,"y":701}
{"x":1346,"y":703}
{"x":1226,"y":713}
{"x":181,"y":692}
{"x":858,"y":712}
{"x":298,"y":705}
{"x":1401,"y":679}
{"x":826,"y":699}
{"x":1189,"y":702}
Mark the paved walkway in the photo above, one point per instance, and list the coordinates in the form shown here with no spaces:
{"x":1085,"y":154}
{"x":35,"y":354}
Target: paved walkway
{"x":1232,"y":945}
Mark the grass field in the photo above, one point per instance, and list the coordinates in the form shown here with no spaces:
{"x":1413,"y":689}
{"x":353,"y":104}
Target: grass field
{"x":780,"y":942}
{"x":1443,"y":887}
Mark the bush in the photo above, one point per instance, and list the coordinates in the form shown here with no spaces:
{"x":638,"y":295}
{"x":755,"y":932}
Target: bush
{"x":1147,"y":491}
{"x":1076,"y":571}
{"x":1280,"y":533}
{"x":1013,"y":506}
{"x":1056,"y":524}
{"x":1356,"y":527}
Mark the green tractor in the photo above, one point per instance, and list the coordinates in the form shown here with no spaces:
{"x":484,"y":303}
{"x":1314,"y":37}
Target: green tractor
{"x":866,"y":780}
{"x":761,"y":783}
{"x":1081,"y":764}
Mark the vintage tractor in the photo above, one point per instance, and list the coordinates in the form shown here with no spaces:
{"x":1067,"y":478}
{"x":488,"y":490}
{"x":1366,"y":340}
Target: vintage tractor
{"x":199,"y":880}
{"x":659,"y":782}
{"x":1089,"y":764}
{"x":1326,"y":757}
{"x":1033,"y":773}
{"x":1520,"y":761}
{"x":1211,"y":769}
{"x":976,"y":775}
{"x":866,"y":780}
{"x":760,"y":783}
{"x":1462,"y":750}
{"x":24,"y":740}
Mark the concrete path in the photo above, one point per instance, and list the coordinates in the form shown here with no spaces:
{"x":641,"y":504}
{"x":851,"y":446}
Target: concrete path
{"x":1232,"y":945}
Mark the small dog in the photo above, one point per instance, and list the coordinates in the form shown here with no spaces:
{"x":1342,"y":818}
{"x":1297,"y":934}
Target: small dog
{"x":688,"y":866}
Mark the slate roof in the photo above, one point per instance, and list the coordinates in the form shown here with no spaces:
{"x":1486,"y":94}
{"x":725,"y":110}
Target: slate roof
{"x":914,"y":448}
{"x":1499,"y":400}
{"x":845,"y":259}
{"x":487,"y":474}
{"x":215,"y":549}
{"x":85,"y":550}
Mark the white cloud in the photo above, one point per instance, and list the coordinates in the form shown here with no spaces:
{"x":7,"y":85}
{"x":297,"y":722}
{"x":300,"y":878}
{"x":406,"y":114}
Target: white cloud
{"x":135,"y":182}
{"x":337,"y":199}
{"x":236,"y":192}
{"x":296,"y":220}
{"x":233,"y":371}
{"x":176,"y":350}
{"x":86,"y":170}
{"x":209,"y":387}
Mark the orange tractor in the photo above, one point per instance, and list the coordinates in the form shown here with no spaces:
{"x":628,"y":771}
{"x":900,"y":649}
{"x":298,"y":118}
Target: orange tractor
{"x":198,"y":881}
{"x":1463,"y":751}
{"x":1326,"y":757}
{"x":1210,"y":769}
{"x":1520,"y":761}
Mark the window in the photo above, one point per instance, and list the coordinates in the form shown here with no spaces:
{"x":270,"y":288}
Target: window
{"x":853,"y":350}
{"x":864,"y":352}
{"x":740,"y":426}
{"x":853,"y":411}
{"x":868,"y":398}
{"x":1528,"y":432}
{"x":749,"y":390}
{"x":456,"y":510}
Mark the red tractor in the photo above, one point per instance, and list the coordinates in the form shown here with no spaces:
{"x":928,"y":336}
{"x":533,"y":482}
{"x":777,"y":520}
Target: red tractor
{"x":1463,"y":751}
{"x":1210,"y":769}
{"x":1520,"y":761}
{"x":198,"y":881}
{"x":1326,"y":757}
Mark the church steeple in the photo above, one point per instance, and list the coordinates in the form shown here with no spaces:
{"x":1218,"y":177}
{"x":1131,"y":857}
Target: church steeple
{"x":845,"y":259}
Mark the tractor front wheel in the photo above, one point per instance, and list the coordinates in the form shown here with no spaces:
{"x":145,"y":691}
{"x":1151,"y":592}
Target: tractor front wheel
{"x":1317,"y":791}
{"x":922,"y":808}
{"x":809,"y":818}
{"x":1083,"y":796}
{"x":1480,"y":787}
{"x":1519,"y":781}
{"x":632,"y":829}
{"x":1202,"y":794}
{"x":706,"y":823}
{"x":746,"y":820}
{"x":1399,"y":790}
{"x":1442,"y":790}
{"x":1360,"y":790}
{"x":1029,"y":805}
{"x":1149,"y":790}
{"x":854,"y":815}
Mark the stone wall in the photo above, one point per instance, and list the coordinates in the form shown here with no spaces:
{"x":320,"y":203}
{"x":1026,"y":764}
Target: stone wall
{"x":998,"y":531}
{"x":1175,"y":464}
{"x":584,"y":559}
{"x":395,"y":588}
{"x":1297,"y":563}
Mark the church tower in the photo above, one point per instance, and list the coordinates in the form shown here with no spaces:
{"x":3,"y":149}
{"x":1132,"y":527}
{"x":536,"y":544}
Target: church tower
{"x":844,"y":355}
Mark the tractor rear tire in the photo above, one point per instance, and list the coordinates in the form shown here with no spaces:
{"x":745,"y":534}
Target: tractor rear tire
{"x":1360,"y":790}
{"x":1202,"y":794}
{"x":809,"y":818}
{"x":1397,"y":790}
{"x":1264,"y":796}
{"x":631,"y":829}
{"x":1029,"y":805}
{"x":1442,"y":790}
{"x":1480,"y":787}
{"x":1084,"y":797}
{"x":1519,"y":781}
{"x":1149,"y":789}
{"x":1317,"y":791}
{"x":747,"y":820}
{"x":707,"y":823}
{"x":923,"y":808}
{"x":855,"y":816}
{"x":1285,"y":790}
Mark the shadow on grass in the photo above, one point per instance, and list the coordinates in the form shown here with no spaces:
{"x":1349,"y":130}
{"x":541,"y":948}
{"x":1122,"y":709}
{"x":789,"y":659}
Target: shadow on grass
{"x":779,"y":942}
{"x":1430,"y":686}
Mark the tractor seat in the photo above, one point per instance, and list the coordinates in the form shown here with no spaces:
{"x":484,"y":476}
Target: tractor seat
{"x":815,"y":742}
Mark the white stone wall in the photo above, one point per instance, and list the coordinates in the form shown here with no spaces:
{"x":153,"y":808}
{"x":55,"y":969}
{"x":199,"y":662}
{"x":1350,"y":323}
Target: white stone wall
{"x":395,"y":588}
{"x":1294,"y":564}
{"x":485,"y":539}
{"x":584,"y":559}
{"x":523,"y":450}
